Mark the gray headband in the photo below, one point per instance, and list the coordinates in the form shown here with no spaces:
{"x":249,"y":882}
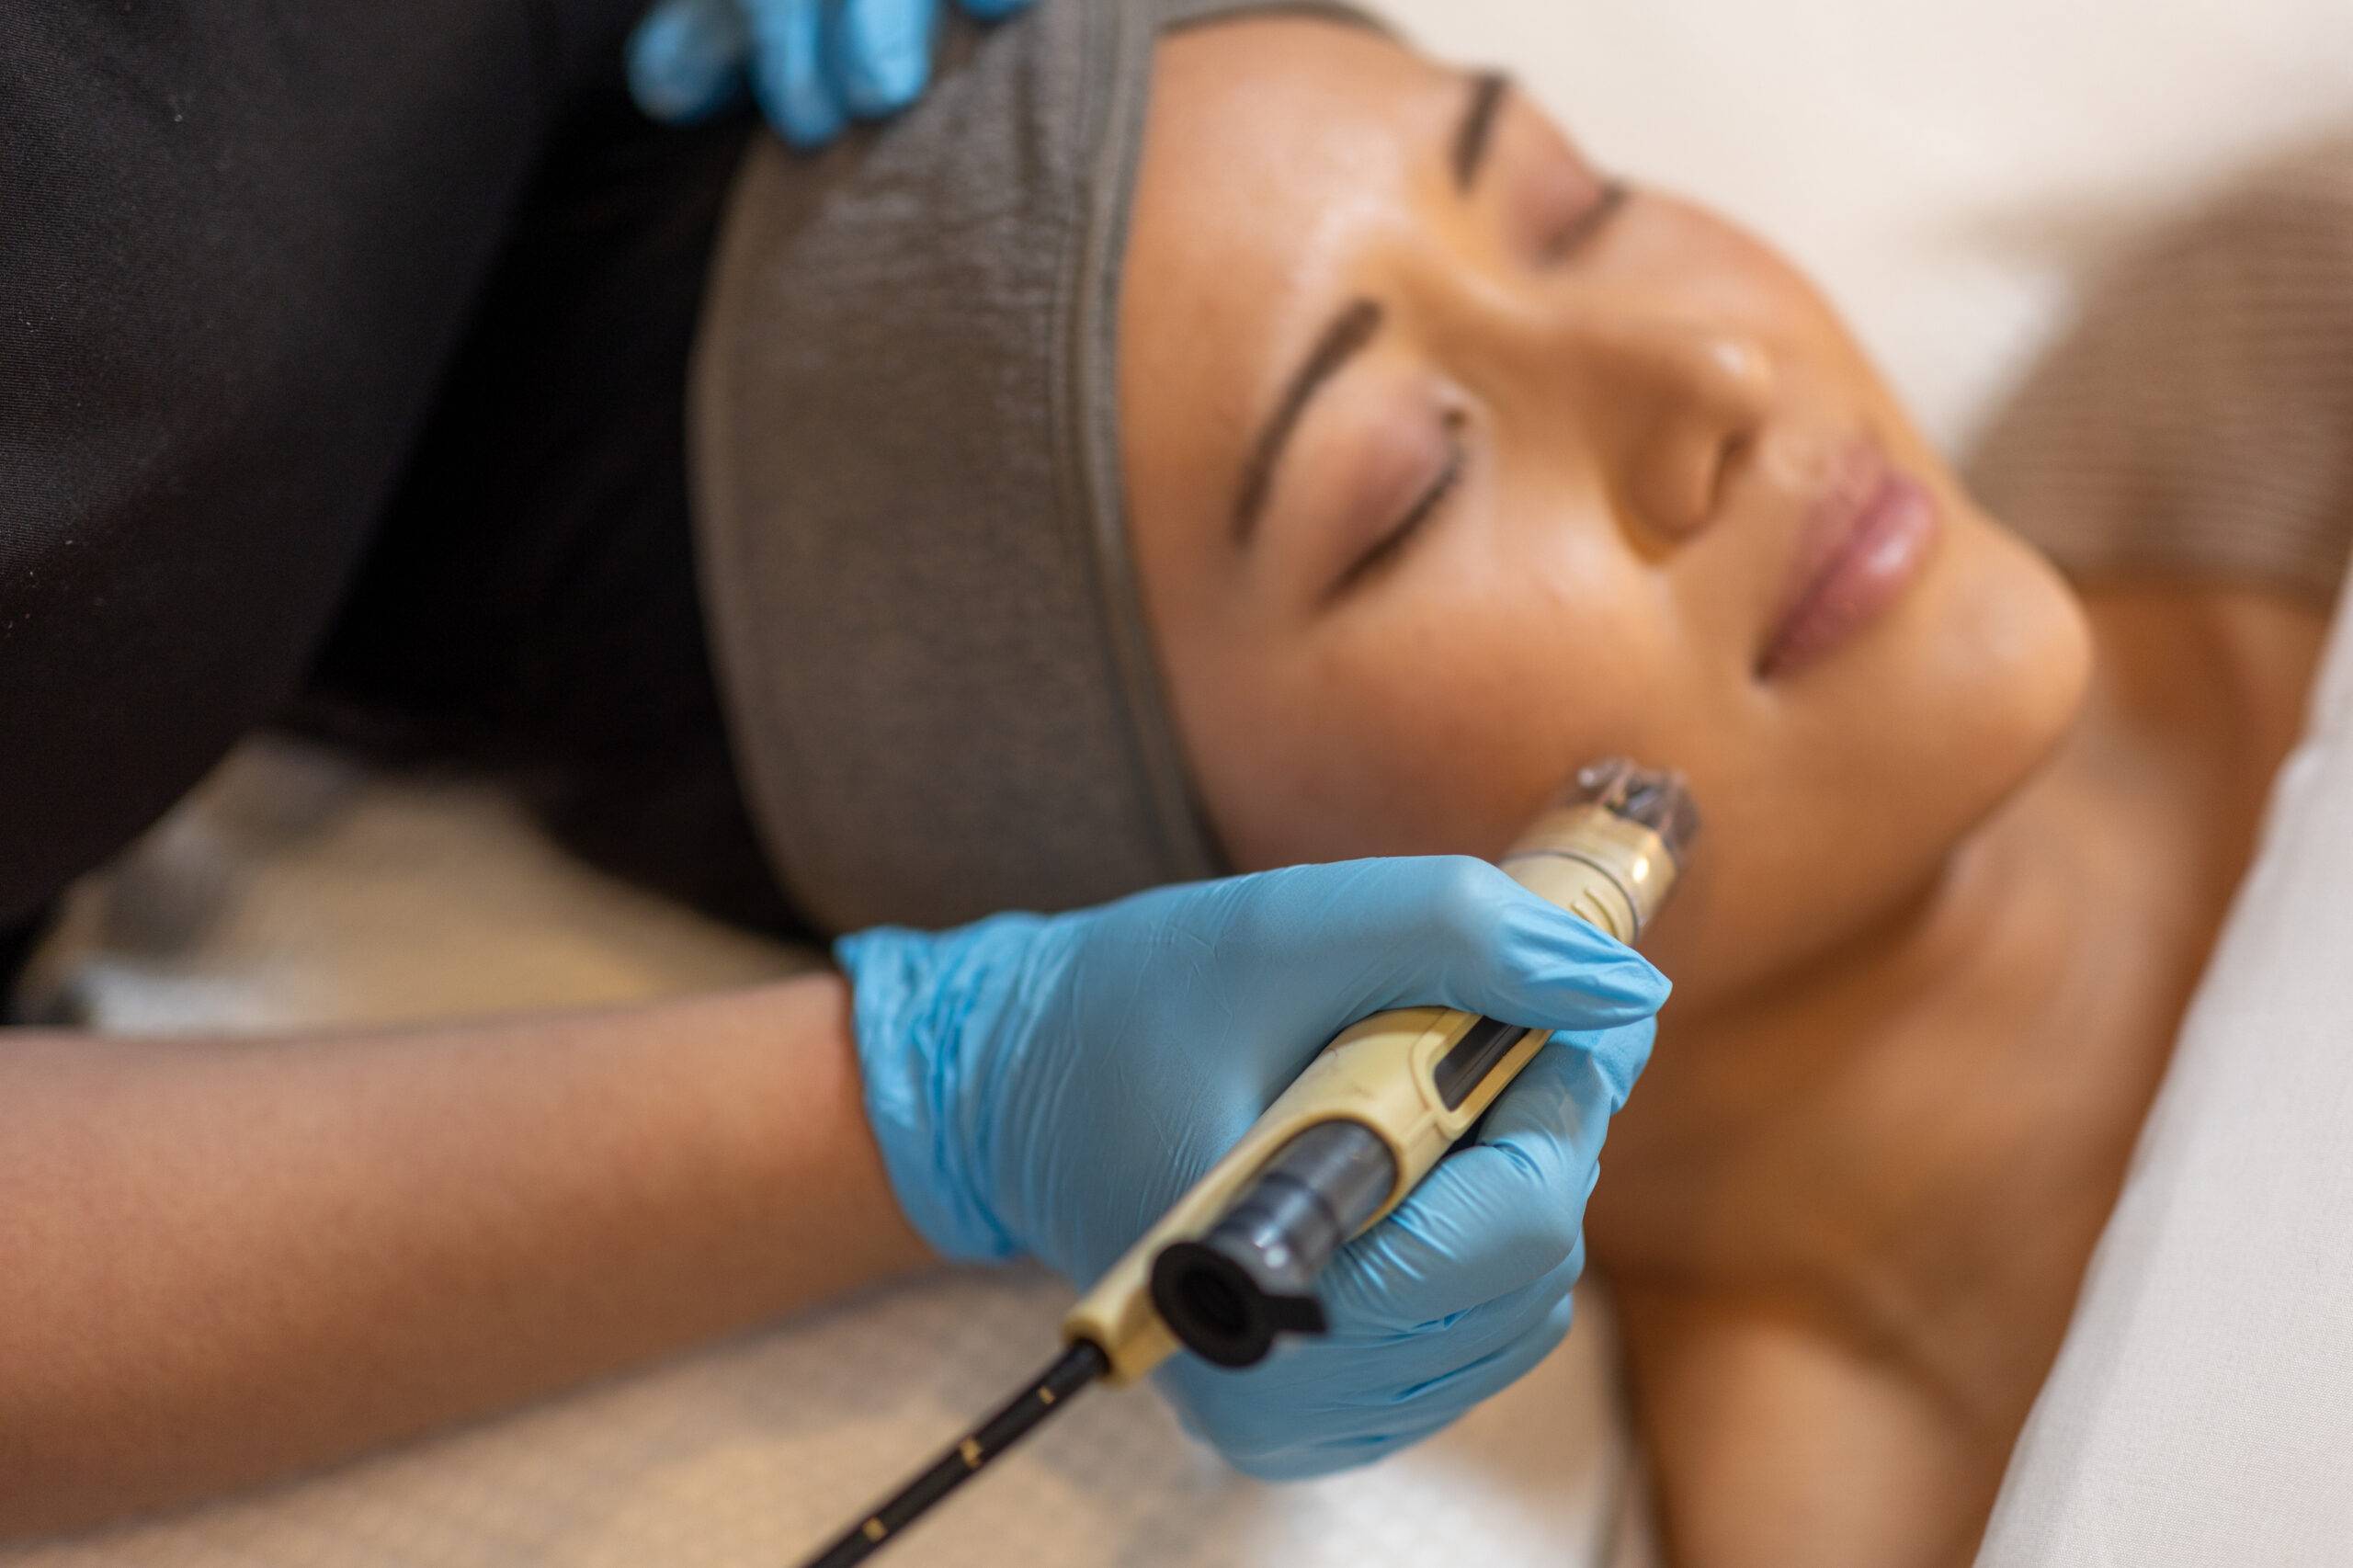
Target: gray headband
{"x":909,"y":507}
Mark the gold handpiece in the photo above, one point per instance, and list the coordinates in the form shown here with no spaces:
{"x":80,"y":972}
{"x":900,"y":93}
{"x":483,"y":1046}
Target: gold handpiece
{"x":1235,"y":1263}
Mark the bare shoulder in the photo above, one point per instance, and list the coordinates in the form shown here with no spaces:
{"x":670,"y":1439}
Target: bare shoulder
{"x":1775,"y":1441}
{"x":2209,"y":683}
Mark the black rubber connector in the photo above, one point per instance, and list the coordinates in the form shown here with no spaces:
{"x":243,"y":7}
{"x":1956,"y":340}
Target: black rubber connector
{"x":1252,"y":1277}
{"x":1220,"y":1312}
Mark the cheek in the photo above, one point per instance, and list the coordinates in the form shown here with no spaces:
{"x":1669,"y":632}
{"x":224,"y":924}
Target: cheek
{"x":2009,"y":658}
{"x":1594,"y":652}
{"x":1864,"y":779}
{"x":1353,"y":745}
{"x":1440,"y":713}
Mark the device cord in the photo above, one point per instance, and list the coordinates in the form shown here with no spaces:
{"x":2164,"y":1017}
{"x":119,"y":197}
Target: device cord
{"x":1072,"y":1370}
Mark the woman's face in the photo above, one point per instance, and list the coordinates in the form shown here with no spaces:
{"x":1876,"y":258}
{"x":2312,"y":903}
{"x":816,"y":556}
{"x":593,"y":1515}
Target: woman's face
{"x":1451,"y":471}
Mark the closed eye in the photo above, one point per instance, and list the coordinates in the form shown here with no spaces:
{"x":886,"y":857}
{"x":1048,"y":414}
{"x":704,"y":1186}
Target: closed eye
{"x":1588,"y":223}
{"x":1392,"y":544}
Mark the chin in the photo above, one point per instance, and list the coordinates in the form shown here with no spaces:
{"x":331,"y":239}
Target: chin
{"x":2005,"y":683}
{"x":2019,"y":640}
{"x":1989,"y":676}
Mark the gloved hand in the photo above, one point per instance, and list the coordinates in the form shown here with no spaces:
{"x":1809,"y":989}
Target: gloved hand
{"x":1048,"y":1086}
{"x":814,"y":63}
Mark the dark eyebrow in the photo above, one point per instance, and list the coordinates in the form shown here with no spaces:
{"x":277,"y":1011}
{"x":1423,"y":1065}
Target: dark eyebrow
{"x":1350,"y":332}
{"x":1488,"y":90}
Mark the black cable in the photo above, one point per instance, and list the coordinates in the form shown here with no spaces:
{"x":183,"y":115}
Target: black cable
{"x":1072,"y":1370}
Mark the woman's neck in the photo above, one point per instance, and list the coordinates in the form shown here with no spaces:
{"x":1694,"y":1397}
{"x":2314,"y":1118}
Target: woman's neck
{"x":1911,"y":1148}
{"x":1853,"y":1137}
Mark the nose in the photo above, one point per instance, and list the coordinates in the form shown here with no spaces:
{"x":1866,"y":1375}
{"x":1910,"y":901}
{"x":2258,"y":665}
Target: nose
{"x":1679,"y":404}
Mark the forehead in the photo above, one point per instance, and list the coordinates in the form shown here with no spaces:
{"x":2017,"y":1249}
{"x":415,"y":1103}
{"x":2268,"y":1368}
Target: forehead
{"x":1280,"y":151}
{"x":1262,"y":128}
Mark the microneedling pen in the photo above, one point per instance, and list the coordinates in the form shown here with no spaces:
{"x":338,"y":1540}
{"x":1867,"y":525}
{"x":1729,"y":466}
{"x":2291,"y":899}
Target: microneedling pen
{"x":1234,"y":1264}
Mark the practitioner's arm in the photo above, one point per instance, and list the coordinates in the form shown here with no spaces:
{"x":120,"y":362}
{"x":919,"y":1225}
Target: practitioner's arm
{"x":221,"y":1262}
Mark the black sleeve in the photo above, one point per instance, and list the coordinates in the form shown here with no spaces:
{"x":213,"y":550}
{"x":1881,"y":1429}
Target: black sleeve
{"x":239,"y":244}
{"x":531,"y":606}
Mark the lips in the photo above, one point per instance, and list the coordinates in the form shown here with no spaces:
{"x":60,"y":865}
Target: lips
{"x":1865,"y":543}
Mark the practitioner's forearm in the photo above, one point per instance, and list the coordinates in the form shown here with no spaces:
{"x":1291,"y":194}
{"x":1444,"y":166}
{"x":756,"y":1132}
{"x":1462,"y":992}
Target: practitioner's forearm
{"x":221,"y":1262}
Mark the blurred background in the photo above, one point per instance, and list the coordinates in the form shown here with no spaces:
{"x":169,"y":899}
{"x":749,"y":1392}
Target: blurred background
{"x":1944,"y":171}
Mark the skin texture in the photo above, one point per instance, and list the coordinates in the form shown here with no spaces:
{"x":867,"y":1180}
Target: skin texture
{"x":303,"y":1248}
{"x":1960,"y":871}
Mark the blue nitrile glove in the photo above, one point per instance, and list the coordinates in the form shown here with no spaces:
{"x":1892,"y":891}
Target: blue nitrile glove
{"x":813,"y":63}
{"x":1048,"y":1086}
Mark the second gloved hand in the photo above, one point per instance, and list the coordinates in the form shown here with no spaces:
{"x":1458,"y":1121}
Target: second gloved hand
{"x":1048,"y":1086}
{"x":812,"y":64}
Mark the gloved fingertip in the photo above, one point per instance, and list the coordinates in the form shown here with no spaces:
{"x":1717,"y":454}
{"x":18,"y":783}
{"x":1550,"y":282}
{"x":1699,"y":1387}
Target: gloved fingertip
{"x":1637,"y":984}
{"x":1534,"y":932}
{"x":800,"y":106}
{"x":1549,"y":1333}
{"x":1620,"y":981}
{"x":805,"y":123}
{"x":1580,"y":1004}
{"x":1617,"y":1056}
{"x":1606,"y":954}
{"x":788,"y":78}
{"x":885,"y":85}
{"x":810,"y":126}
{"x":683,"y":61}
{"x":881,"y":54}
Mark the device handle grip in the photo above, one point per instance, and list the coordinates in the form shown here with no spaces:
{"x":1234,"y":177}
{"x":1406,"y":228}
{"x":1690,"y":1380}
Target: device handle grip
{"x":1418,"y":1077}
